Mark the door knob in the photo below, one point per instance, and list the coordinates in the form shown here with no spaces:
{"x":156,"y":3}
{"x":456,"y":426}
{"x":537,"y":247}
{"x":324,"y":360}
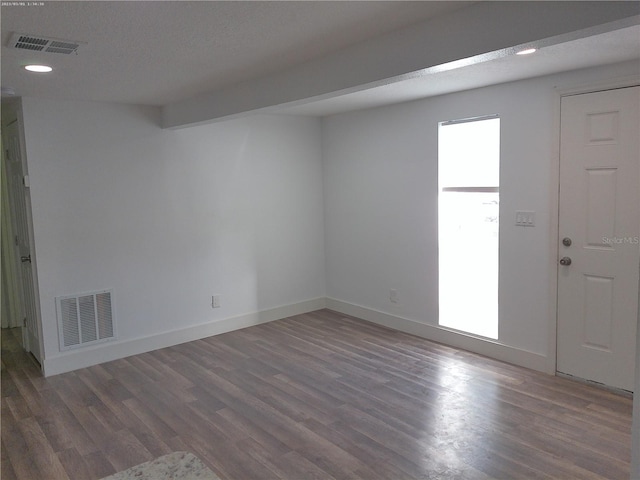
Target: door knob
{"x":566,"y":241}
{"x":25,"y":259}
{"x":565,"y":261}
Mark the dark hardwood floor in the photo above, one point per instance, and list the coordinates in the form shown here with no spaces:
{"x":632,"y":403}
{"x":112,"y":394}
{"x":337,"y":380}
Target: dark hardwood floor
{"x":316,"y":396}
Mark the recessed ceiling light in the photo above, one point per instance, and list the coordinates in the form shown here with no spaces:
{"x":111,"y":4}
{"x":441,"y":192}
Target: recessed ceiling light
{"x":38,"y":68}
{"x":528,"y":51}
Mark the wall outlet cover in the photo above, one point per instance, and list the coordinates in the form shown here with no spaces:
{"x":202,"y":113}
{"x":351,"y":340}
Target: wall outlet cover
{"x":393,"y":296}
{"x":215,"y":301}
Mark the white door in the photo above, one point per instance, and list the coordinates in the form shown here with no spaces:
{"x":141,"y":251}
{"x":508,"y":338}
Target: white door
{"x":599,"y":229}
{"x":20,"y":209}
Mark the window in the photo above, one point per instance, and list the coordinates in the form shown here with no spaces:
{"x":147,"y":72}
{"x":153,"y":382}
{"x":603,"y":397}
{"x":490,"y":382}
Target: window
{"x":468,"y":227}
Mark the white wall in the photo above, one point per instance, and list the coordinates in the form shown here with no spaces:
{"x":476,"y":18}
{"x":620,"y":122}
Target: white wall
{"x":169,"y":218}
{"x":380,"y":183}
{"x":257,"y":209}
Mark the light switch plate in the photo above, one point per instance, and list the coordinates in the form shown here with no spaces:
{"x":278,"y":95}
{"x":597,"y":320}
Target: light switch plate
{"x":525,"y":218}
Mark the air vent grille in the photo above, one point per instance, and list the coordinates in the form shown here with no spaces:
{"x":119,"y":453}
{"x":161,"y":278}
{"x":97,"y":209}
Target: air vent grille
{"x":85,"y":319}
{"x":43,"y":44}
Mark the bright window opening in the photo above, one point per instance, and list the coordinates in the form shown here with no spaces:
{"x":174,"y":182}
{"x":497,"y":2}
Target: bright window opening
{"x":468,"y":227}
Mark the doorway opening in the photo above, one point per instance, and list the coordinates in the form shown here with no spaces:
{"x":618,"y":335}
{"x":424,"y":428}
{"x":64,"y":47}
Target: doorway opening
{"x":19,"y":248}
{"x":468,"y":224}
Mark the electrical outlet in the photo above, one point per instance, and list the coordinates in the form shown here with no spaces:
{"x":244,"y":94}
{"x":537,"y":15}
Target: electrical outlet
{"x":393,"y":296}
{"x":215,"y":301}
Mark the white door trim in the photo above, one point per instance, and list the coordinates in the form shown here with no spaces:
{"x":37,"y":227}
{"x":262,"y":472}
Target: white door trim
{"x":635,"y":426}
{"x":611,"y":84}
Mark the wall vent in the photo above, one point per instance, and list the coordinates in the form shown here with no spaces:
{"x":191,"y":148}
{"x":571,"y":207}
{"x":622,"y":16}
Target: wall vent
{"x":38,"y":43}
{"x":85,"y":319}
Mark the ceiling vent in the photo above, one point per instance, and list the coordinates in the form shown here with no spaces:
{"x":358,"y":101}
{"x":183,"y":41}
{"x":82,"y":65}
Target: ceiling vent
{"x":38,"y":43}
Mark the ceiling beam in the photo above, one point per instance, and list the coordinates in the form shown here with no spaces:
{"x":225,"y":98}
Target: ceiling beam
{"x":474,"y":32}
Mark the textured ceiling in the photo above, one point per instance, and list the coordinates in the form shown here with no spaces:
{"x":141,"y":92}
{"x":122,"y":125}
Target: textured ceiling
{"x":162,"y":52}
{"x":149,"y":52}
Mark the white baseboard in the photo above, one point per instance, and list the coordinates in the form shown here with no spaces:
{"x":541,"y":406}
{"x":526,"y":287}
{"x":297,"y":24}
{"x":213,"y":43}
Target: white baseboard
{"x":105,"y":352}
{"x":488,"y":348}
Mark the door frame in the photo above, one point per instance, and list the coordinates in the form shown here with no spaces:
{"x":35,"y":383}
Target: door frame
{"x":12,"y":112}
{"x":554,"y":204}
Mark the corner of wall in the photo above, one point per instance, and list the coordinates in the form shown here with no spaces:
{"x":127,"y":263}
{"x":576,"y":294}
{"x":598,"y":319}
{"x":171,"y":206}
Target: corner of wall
{"x":496,"y":350}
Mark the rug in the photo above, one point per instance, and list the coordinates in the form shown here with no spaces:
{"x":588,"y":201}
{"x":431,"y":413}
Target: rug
{"x":174,"y":466}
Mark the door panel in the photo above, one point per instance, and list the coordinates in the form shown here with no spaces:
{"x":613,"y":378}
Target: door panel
{"x":599,"y":212}
{"x":20,"y":209}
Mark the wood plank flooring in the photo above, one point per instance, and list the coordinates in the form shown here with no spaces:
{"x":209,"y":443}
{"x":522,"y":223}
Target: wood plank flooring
{"x":316,"y":396}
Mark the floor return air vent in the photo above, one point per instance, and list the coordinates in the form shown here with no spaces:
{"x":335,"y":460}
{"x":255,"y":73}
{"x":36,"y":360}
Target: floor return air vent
{"x":85,"y":319}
